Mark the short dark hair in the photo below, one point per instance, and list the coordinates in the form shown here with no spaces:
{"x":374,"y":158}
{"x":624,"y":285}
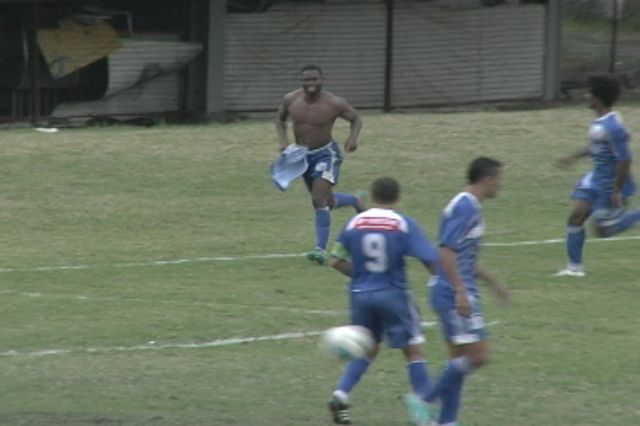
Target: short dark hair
{"x":481,"y":168}
{"x":312,"y":67}
{"x":605,"y":88}
{"x":385,"y":190}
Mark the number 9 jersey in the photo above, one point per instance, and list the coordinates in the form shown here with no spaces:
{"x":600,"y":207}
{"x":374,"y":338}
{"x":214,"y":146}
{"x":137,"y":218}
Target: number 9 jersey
{"x":376,"y":242}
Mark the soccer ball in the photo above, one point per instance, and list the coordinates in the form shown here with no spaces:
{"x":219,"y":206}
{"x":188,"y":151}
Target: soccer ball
{"x":347,"y":342}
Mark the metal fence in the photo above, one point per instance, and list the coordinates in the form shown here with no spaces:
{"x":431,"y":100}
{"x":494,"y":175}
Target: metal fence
{"x":600,"y":36}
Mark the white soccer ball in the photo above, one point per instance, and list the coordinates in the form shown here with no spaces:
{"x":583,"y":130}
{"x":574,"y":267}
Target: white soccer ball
{"x":347,"y":342}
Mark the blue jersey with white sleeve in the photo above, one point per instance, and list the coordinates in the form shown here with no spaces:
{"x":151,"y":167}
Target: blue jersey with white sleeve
{"x":461,"y":230}
{"x":609,"y":144}
{"x":377,"y":241}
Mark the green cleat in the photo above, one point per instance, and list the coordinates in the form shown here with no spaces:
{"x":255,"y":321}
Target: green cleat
{"x":317,"y":255}
{"x":418,"y":410}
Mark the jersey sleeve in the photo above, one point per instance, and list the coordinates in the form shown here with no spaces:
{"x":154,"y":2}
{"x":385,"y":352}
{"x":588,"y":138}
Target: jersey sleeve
{"x":454,"y":225}
{"x":620,"y":144}
{"x":419,"y":245}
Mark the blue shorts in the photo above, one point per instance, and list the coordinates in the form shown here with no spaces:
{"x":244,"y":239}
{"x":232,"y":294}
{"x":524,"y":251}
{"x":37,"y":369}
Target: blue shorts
{"x":460,"y":330}
{"x":324,"y":163}
{"x":388,"y":313}
{"x":599,"y":198}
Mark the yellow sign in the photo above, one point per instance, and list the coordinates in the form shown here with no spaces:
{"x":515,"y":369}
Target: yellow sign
{"x":75,"y":45}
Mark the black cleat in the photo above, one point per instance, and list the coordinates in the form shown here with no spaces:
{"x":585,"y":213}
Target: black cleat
{"x":339,"y":411}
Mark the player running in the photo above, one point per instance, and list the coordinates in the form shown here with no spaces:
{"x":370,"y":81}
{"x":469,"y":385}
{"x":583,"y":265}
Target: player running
{"x":454,"y":292}
{"x":371,"y":250}
{"x":602,"y":192}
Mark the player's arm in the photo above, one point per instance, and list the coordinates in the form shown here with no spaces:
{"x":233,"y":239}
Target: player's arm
{"x":340,"y":259}
{"x":422,"y":249}
{"x":349,"y":113}
{"x":449,"y":261}
{"x":499,"y":289}
{"x":623,"y":168}
{"x":568,"y":160}
{"x":623,"y":165}
{"x":281,"y":122}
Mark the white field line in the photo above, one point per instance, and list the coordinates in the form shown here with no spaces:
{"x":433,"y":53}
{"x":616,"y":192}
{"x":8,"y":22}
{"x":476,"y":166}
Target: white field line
{"x":150,"y":346}
{"x":269,"y":256}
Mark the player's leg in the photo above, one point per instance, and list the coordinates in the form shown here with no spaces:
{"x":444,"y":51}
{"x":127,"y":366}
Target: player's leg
{"x":343,"y":199}
{"x":616,"y":221}
{"x":419,"y":410}
{"x":468,"y":350}
{"x":576,"y":236}
{"x":322,"y":201}
{"x":402,"y":325}
{"x":361,"y":314}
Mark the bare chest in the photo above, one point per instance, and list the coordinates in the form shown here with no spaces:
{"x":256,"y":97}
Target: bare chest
{"x":315,"y":114}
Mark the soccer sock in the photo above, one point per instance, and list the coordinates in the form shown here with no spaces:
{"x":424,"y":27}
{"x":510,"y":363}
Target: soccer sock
{"x":575,"y":243}
{"x":343,"y":199}
{"x":449,"y":388}
{"x":451,"y":399}
{"x":626,"y":221}
{"x":352,"y":374}
{"x":419,"y":377}
{"x":455,"y":368}
{"x":323,"y":225}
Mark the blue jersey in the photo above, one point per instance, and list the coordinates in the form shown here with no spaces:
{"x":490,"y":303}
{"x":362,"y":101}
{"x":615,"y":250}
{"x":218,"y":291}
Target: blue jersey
{"x":609,"y":144}
{"x":461,"y":230}
{"x":377,"y":241}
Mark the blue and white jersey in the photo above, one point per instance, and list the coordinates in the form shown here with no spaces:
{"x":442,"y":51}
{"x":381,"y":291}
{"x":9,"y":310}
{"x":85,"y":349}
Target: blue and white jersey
{"x":461,"y":230}
{"x":609,"y":144}
{"x":376,"y":241}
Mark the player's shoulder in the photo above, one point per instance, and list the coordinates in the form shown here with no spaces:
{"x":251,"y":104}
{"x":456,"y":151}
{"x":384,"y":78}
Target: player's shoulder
{"x":292,"y":95}
{"x":607,"y":125}
{"x":462,"y":202}
{"x":335,"y":100}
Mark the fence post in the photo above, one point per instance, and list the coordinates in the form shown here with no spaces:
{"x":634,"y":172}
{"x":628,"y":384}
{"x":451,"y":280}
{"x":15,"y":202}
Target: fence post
{"x":388,"y":65}
{"x":614,"y":38}
{"x":32,"y":34}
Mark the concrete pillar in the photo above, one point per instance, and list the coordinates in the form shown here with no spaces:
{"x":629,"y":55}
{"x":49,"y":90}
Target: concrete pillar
{"x":553,"y":39}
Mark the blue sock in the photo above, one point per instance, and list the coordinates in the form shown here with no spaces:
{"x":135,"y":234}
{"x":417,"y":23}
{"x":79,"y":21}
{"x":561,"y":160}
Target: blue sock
{"x":626,"y":221}
{"x":449,"y":388}
{"x":323,"y":225}
{"x":419,"y":377}
{"x":451,"y":399}
{"x":454,"y":368}
{"x":352,"y":374}
{"x":343,"y":199}
{"x":575,"y":242}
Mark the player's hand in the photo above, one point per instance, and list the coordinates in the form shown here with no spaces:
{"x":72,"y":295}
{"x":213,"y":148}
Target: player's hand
{"x":350,"y":146}
{"x":502,"y":293}
{"x":462,"y":304}
{"x":564,"y":162}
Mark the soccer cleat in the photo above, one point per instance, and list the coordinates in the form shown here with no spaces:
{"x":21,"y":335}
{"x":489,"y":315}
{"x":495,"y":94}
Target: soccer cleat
{"x":362,"y":197}
{"x":570,"y":272}
{"x":340,"y":411}
{"x":317,"y":255}
{"x":418,"y":410}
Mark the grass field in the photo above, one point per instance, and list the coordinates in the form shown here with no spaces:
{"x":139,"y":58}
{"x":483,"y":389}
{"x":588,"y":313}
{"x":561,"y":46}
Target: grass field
{"x":129,"y":255}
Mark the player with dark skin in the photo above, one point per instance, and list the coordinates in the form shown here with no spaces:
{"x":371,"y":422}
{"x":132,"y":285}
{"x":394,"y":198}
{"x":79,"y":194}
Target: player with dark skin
{"x":313,"y":112}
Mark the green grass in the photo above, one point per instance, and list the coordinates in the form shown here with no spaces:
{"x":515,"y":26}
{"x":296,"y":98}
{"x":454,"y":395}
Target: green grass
{"x":119,"y":199}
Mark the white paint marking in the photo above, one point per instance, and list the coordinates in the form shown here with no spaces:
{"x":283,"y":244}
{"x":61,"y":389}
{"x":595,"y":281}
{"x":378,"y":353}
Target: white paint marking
{"x":152,"y":345}
{"x":559,"y":240}
{"x":265,"y":256}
